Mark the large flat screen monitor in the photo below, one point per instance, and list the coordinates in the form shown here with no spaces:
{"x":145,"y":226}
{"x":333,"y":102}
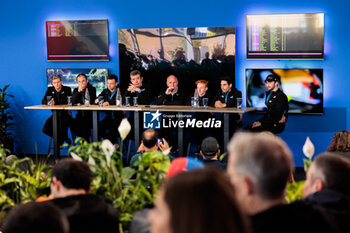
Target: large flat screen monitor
{"x":191,"y":53}
{"x":303,"y":87}
{"x":97,"y":77}
{"x":285,"y":36}
{"x":77,"y":40}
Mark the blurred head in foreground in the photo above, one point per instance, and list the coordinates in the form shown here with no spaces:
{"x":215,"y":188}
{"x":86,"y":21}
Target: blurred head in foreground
{"x":36,"y":218}
{"x":197,"y":201}
{"x":259,"y":167}
{"x":328,"y":171}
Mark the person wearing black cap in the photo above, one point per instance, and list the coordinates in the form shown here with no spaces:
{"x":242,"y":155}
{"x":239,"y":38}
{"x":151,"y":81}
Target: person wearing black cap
{"x":275,"y":118}
{"x":210,"y":151}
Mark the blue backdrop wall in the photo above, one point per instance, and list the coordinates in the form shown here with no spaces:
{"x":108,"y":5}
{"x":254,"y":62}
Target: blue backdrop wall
{"x":23,"y":60}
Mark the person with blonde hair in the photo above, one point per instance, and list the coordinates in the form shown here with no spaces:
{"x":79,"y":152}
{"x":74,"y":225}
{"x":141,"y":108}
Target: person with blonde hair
{"x":57,"y":94}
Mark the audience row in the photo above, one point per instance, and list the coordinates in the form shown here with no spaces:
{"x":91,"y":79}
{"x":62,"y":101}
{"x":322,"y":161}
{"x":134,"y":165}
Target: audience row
{"x":247,"y":197}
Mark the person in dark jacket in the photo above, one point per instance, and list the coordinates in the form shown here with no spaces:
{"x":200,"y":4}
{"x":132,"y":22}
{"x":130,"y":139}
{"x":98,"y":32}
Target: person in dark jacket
{"x":58,"y":94}
{"x":210,"y":152}
{"x":138,"y":88}
{"x":82,"y":123}
{"x":275,"y":118}
{"x":202,"y":88}
{"x":294,"y":217}
{"x":259,"y":168}
{"x":172,"y":94}
{"x":327,"y":185}
{"x":86,"y":212}
{"x":198,"y":134}
{"x":34,"y":217}
{"x":227,"y":96}
{"x":108,"y":127}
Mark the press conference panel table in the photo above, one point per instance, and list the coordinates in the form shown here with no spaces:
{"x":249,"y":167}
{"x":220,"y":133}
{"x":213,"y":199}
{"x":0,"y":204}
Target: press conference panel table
{"x":136,"y":110}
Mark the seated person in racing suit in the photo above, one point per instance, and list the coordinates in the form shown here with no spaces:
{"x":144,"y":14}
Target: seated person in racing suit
{"x":275,"y":118}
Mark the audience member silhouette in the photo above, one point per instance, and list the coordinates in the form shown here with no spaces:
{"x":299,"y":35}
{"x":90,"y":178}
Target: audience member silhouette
{"x":85,"y":212}
{"x":259,"y":167}
{"x":340,"y":143}
{"x":35,"y":217}
{"x":198,"y":201}
{"x":327,"y":185}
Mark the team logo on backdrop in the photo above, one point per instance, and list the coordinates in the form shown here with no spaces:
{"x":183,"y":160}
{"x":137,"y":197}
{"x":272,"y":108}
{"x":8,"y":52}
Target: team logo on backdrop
{"x":152,"y":120}
{"x":157,"y":120}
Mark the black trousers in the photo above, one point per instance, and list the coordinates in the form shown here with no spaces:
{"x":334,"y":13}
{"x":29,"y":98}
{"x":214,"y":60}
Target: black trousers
{"x":62,"y":126}
{"x":197,"y":135}
{"x":108,"y":128}
{"x":234,"y":125}
{"x":81,"y":127}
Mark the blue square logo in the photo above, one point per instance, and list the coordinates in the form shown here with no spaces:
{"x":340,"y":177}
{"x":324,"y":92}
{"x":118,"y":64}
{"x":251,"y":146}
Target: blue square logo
{"x":151,"y":120}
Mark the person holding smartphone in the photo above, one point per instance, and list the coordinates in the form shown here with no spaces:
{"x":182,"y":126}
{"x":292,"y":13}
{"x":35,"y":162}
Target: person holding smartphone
{"x":150,"y":142}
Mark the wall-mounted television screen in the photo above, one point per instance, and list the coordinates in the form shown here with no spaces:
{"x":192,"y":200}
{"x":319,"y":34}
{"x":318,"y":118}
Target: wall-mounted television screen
{"x":77,"y":40}
{"x":191,"y":53}
{"x":97,"y":77}
{"x":285,"y":36}
{"x":303,"y":87}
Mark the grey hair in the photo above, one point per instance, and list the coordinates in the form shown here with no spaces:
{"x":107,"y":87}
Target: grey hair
{"x":333,"y":170}
{"x":265,"y":159}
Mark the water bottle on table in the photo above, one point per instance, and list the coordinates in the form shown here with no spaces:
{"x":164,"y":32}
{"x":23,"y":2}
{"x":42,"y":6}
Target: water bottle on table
{"x":195,"y":99}
{"x":87,"y":97}
{"x":118,"y":99}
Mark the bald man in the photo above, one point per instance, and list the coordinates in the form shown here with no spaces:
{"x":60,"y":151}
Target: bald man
{"x":172,"y":94}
